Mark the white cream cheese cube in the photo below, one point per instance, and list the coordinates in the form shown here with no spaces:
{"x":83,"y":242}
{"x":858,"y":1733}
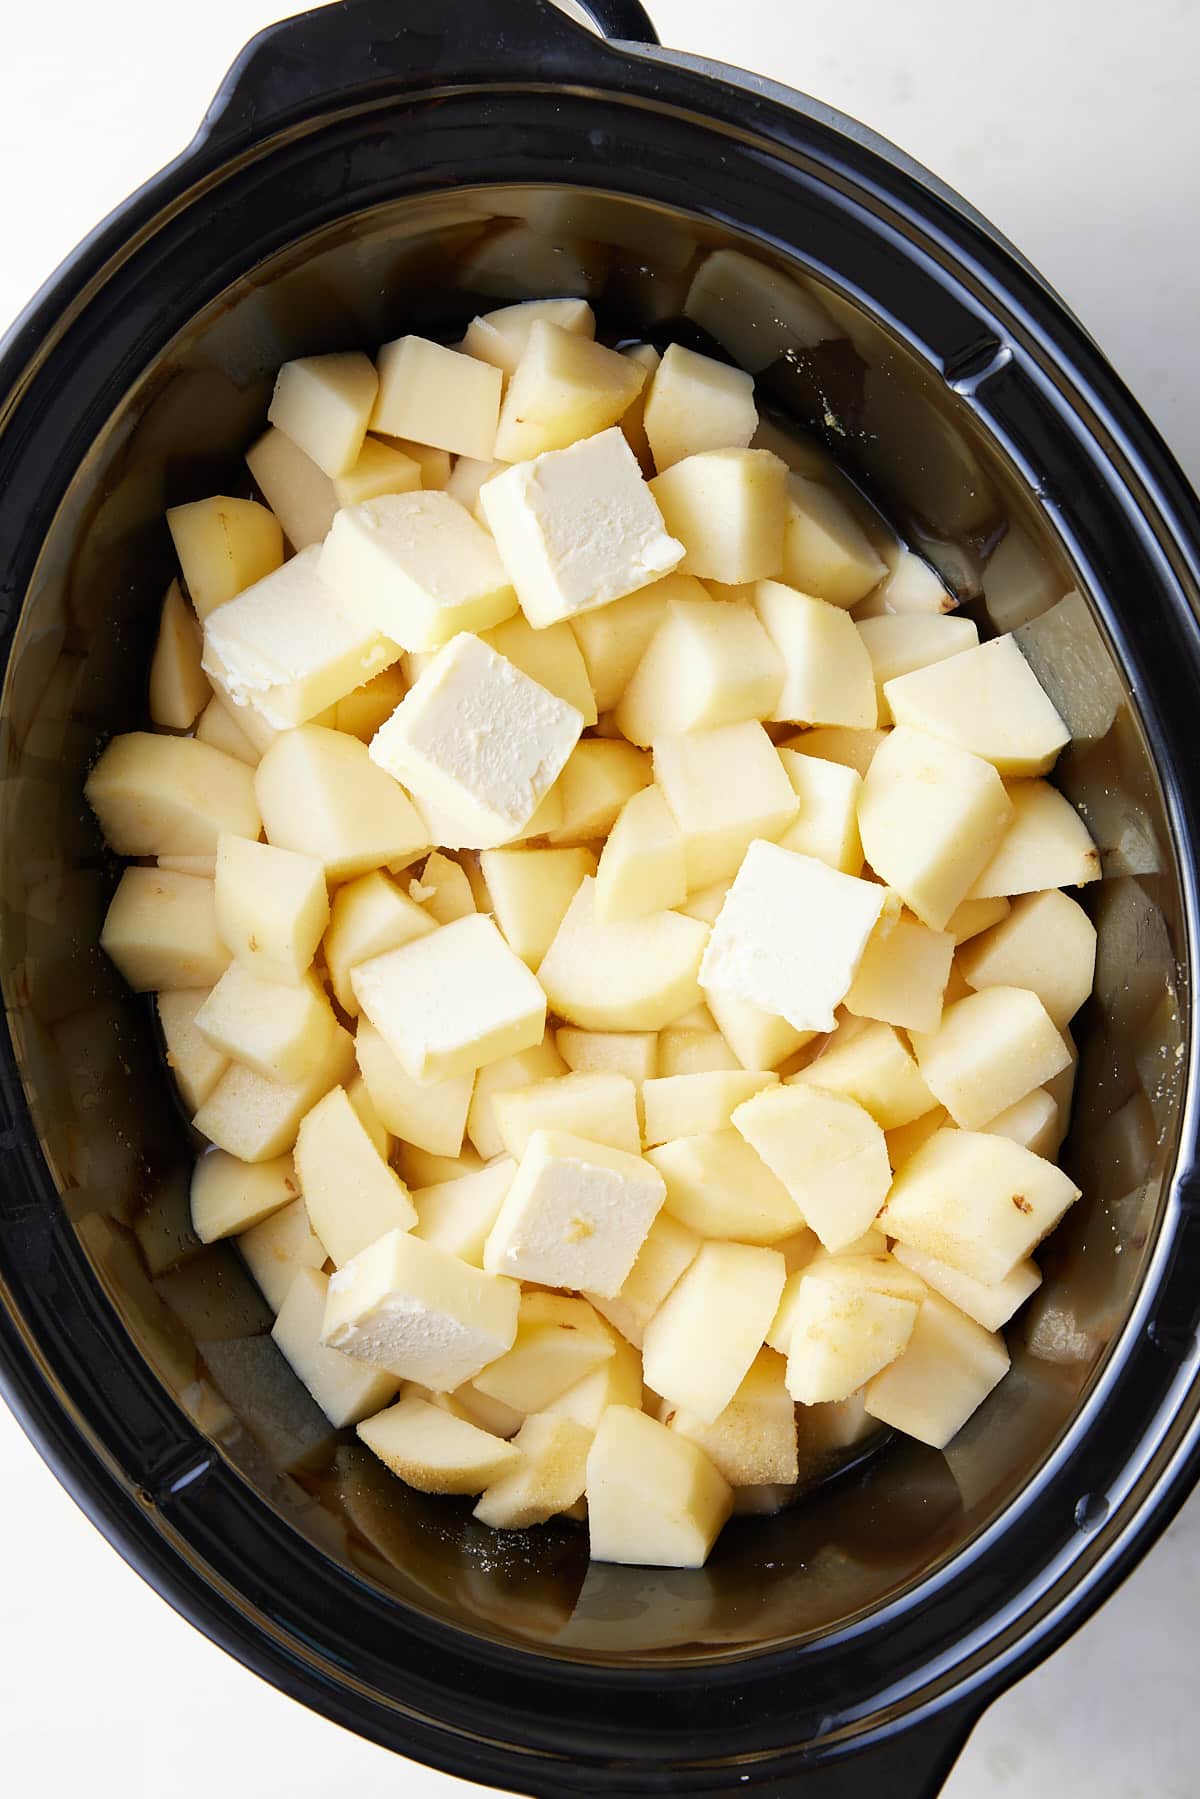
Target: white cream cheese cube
{"x":448,"y":1003}
{"x":842,"y":1335}
{"x":719,"y":1187}
{"x":791,"y":935}
{"x":324,"y":403}
{"x":430,"y":1115}
{"x":600,"y":1107}
{"x":565,"y":388}
{"x":1046,"y":844}
{"x":546,"y":514}
{"x":161,"y":931}
{"x":550,"y":1479}
{"x":948,"y":1369}
{"x":437,"y":396}
{"x":224,"y":546}
{"x":827,"y":671}
{"x":301,"y":496}
{"x":668,"y":1249}
{"x":576,"y":1215}
{"x":322,"y":796}
{"x":501,"y":337}
{"x":700,"y":1344}
{"x":636,"y":975}
{"x":276,"y":1248}
{"x":179,"y":688}
{"x":431,"y":1449}
{"x":986,"y":700}
{"x":477,"y":739}
{"x":727,"y":508}
{"x":352,"y":1195}
{"x":229,"y":1196}
{"x":710,"y":663}
{"x":654,"y":1499}
{"x":726,"y":787}
{"x":992,"y":1307}
{"x":195,"y":1064}
{"x":826,"y":552}
{"x":169,"y":796}
{"x":458,"y":1215}
{"x":828,"y":1152}
{"x":419,"y":1313}
{"x":368,"y":916}
{"x":695,"y":403}
{"x":345,"y":1390}
{"x":271,"y":906}
{"x":826,"y":825}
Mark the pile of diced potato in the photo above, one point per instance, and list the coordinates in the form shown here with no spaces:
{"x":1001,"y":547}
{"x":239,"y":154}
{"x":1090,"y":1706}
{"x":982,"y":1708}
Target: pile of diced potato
{"x":606,"y":921}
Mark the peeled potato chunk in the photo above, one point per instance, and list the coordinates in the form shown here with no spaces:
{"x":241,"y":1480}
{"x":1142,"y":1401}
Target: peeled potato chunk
{"x":700,"y":1344}
{"x":710,"y":663}
{"x":636,"y":975}
{"x":989,"y":1051}
{"x":434,"y":1451}
{"x":828,"y":1152}
{"x":1045,"y":844}
{"x":727,"y":508}
{"x":271,"y":906}
{"x":946,"y":1372}
{"x":986,"y":700}
{"x":550,"y":1478}
{"x":654,"y":1498}
{"x":352,"y":1195}
{"x":753,"y":1441}
{"x":169,"y":796}
{"x":161,"y":931}
{"x":565,"y":387}
{"x":179,"y":688}
{"x":224,"y":546}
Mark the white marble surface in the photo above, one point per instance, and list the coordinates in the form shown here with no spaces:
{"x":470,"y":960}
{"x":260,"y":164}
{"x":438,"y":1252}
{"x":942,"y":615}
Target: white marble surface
{"x":1073,"y":124}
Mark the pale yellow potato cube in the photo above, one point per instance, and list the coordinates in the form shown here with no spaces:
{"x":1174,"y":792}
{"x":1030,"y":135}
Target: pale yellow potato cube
{"x":345,"y":1390}
{"x":898,"y":643}
{"x":599,"y":777}
{"x":271,"y":907}
{"x":431,"y":1115}
{"x":654,"y":1498}
{"x":324,"y":404}
{"x":827,"y":671}
{"x":559,"y":1340}
{"x":195,"y":1064}
{"x":274,"y":1250}
{"x":576,"y":1214}
{"x":826,"y":825}
{"x":1046,"y":844}
{"x":501,"y":337}
{"x":614,"y":638}
{"x":842,"y":1335}
{"x":701,"y":1342}
{"x":432,"y":1450}
{"x":642,"y":865}
{"x":695,"y":403}
{"x":549,"y":656}
{"x":719,"y":1187}
{"x":352,"y":1195}
{"x":987,"y":701}
{"x":467,"y":1402}
{"x":631,"y":1053}
{"x":218,"y":727}
{"x":438,"y":396}
{"x":975,"y":916}
{"x":367,"y":917}
{"x":161,"y":931}
{"x":950,"y":1366}
{"x":281,"y":1031}
{"x":322,"y":796}
{"x":362,"y":712}
{"x":838,"y":743}
{"x":870,"y":1063}
{"x":359,"y":1096}
{"x":419,"y":1168}
{"x":1033,"y":1121}
{"x":826,"y":552}
{"x":1046,"y":943}
{"x":540,"y":1063}
{"x":618,"y":1381}
{"x":179,"y":688}
{"x":911,"y":586}
{"x":636,"y":975}
{"x":301,"y":496}
{"x":565,"y":387}
{"x":169,"y":796}
{"x":753,"y":1441}
{"x":550,"y":1479}
{"x":434,"y":464}
{"x":710,"y":663}
{"x":976,"y":1201}
{"x":756,"y":312}
{"x":726,"y":787}
{"x":867,"y":1263}
{"x":989,"y":1051}
{"x":229,"y":1196}
{"x":758,"y":1039}
{"x":728,"y":509}
{"x":992,"y":1307}
{"x":531,"y":890}
{"x":687,"y":1049}
{"x":254,"y":1118}
{"x":687,"y":1105}
{"x":633,"y":419}
{"x":828,"y":1152}
{"x":902,"y":976}
{"x":420,"y":1313}
{"x":223,"y":546}
{"x":779,"y":1337}
{"x":668,"y":1249}
{"x":380,"y":468}
{"x":931,"y":815}
{"x":458,"y":1215}
{"x":443,"y":889}
{"x":599,"y":1107}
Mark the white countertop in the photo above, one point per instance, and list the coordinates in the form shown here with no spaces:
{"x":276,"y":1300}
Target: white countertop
{"x":1074,"y":127}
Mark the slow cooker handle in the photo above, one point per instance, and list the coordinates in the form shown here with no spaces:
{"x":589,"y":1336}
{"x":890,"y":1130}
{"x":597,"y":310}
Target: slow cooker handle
{"x":913,"y":1764}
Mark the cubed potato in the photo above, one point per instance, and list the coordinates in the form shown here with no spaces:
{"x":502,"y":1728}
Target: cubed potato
{"x":826,"y":552}
{"x":255,"y":1119}
{"x":501,"y":337}
{"x":598,"y":779}
{"x":431,"y":1115}
{"x":975,"y":916}
{"x":614,"y":638}
{"x":753,"y":1441}
{"x":728,"y":509}
{"x":380,"y":468}
{"x":726,"y":787}
{"x":565,"y":387}
{"x":368,"y":916}
{"x":719,"y":1187}
{"x":345,"y":1390}
{"x":599,"y":1107}
{"x":559,"y":1339}
{"x":633,"y":419}
{"x":633,"y":976}
{"x":642,"y":867}
{"x":902,"y":976}
{"x":169,"y":796}
{"x":476,"y":1407}
{"x":631,"y":1053}
{"x":438,"y":396}
{"x":950,"y":1366}
{"x":1045,"y":844}
{"x":274,"y":1250}
{"x":911,"y":586}
{"x":362,"y":712}
{"x":992,"y":1307}
{"x":443,"y":889}
{"x":179,"y":688}
{"x":359,"y":1096}
{"x":898,"y":643}
{"x":419,"y":1168}
{"x":686,"y":1105}
{"x":756,"y":312}
{"x":300,"y":495}
{"x":324,"y":404}
{"x":540,"y":1063}
{"x":828,"y":1152}
{"x":432,"y":1450}
{"x":271,"y":907}
{"x":322,"y":796}
{"x":931,"y":815}
{"x":1046,"y":943}
{"x":229,"y":1196}
{"x":654,"y":1499}
{"x":217,"y":727}
{"x":281,"y":1031}
{"x":434,"y":464}
{"x":701,"y":1342}
{"x":989,"y":1051}
{"x":618,"y":1381}
{"x":1033,"y":1121}
{"x":709,"y":663}
{"x":576,"y":1214}
{"x":195,"y":1064}
{"x":871,"y":1063}
{"x":843,"y":1334}
{"x":985,"y":700}
{"x":549,"y":1480}
{"x":458,"y":1215}
{"x":223,"y":546}
{"x":685,"y":1049}
{"x":352,"y":1195}
{"x":976,"y":1201}
{"x":838,"y":743}
{"x":161,"y":931}
{"x":827,"y":671}
{"x":419,"y":1313}
{"x":667,"y":1250}
{"x":695,"y":403}
{"x":826,"y":825}
{"x":531,"y":890}
{"x":549,"y":656}
{"x":758,"y":1039}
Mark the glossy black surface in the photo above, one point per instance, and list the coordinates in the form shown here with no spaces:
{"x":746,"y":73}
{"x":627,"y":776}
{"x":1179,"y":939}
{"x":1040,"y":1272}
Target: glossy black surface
{"x":362,"y":175}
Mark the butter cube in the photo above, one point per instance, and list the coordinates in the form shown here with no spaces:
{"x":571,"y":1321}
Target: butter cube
{"x":501,"y":337}
{"x":432,"y":1450}
{"x":989,"y":1051}
{"x":826,"y":825}
{"x":179,"y":689}
{"x":531,"y":890}
{"x":549,"y":656}
{"x":195,"y":1064}
{"x":614,"y":638}
{"x":576,"y":1215}
{"x":458,"y":1215}
{"x":685,"y":1105}
{"x":544,"y":517}
{"x":324,"y":404}
{"x":843,"y":1335}
{"x":950,"y":1366}
{"x":631,"y":1053}
{"x":695,"y":403}
{"x":727,"y":508}
{"x":559,"y":1340}
{"x":986,"y":700}
{"x":223,"y":546}
{"x":476,"y":739}
{"x":710,"y":663}
{"x":281,"y":1031}
{"x":549,"y":1480}
{"x":448,"y":1003}
{"x":598,"y":779}
{"x":254,"y":1118}
{"x":826,"y":552}
{"x":992,"y":1307}
{"x":700,"y":1344}
{"x":668,"y":1249}
{"x":642,"y":866}
{"x":430,"y":1115}
{"x":726,"y":787}
{"x":719,"y":1187}
{"x":345,"y":1390}
{"x":1045,"y":844}
{"x":599,"y":1107}
{"x":418,"y":566}
{"x":274,"y":1250}
{"x":565,"y":387}
{"x":301,"y":496}
{"x":322,"y":796}
{"x":654,"y":1498}
{"x":229,"y":1196}
{"x":368,"y":916}
{"x":161,"y":931}
{"x":828,"y":679}
{"x":419,"y":1313}
{"x":828,"y":1152}
{"x":437,"y":396}
{"x":353,"y":1197}
{"x":900,"y":642}
{"x":290,"y":647}
{"x":753,"y":1441}
{"x":537,"y":1064}
{"x":636,"y":975}
{"x":902,"y":976}
{"x":1046,"y":942}
{"x":870,"y":1063}
{"x":271,"y":906}
{"x":381,"y":468}
{"x":791,"y":935}
{"x":169,"y":796}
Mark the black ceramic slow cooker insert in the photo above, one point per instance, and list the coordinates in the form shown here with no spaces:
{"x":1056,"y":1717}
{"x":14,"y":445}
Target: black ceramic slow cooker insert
{"x":379,"y":167}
